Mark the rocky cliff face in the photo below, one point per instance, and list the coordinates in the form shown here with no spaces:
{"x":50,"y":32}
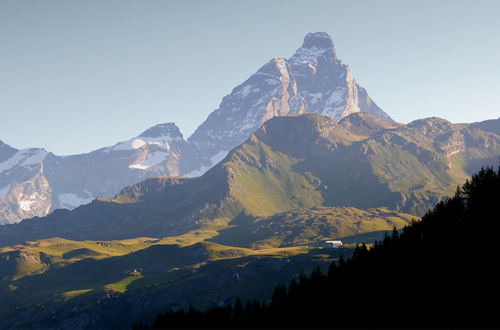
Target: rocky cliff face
{"x":159,"y":151}
{"x":312,"y":80}
{"x":292,"y":162}
{"x":24,"y":190}
{"x":34,"y":182}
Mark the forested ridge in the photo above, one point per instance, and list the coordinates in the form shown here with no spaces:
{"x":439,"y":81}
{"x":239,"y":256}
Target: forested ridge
{"x":439,"y":272}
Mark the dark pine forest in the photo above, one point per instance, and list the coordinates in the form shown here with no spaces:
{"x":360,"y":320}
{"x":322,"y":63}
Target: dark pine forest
{"x":438,"y":272}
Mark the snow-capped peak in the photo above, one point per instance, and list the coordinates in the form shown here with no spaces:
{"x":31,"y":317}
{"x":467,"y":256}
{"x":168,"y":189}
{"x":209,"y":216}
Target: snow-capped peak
{"x":315,"y":45}
{"x":162,"y":130}
{"x":25,"y":157}
{"x":318,"y":40}
{"x":160,"y":135}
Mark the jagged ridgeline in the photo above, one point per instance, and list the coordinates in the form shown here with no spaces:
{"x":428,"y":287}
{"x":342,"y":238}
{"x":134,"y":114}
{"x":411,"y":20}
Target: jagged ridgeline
{"x":34,"y":182}
{"x":436,"y":273}
{"x":291,"y":163}
{"x":313,"y":80}
{"x":240,"y":229}
{"x":295,"y":156}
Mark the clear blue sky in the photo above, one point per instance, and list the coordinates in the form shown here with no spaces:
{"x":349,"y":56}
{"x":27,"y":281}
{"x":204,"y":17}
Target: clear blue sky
{"x":76,"y":76}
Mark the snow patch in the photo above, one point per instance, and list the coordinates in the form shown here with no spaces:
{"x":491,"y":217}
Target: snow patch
{"x":24,"y":157}
{"x":196,"y":173}
{"x":137,"y":143}
{"x":138,"y":167}
{"x":71,"y":201}
{"x":129,"y":145}
{"x":246,"y":90}
{"x":272,"y":81}
{"x":307,"y":56}
{"x":5,"y":191}
{"x":247,"y":127}
{"x":220,"y":156}
{"x":315,"y":98}
{"x":214,"y":160}
{"x":260,"y":100}
{"x":26,"y":205}
{"x":334,"y":105}
{"x":152,"y":159}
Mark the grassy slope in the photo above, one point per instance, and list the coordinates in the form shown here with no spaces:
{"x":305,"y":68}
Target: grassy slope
{"x":428,"y":159}
{"x":73,"y":277}
{"x":269,"y":195}
{"x":309,"y":227}
{"x":265,"y":182}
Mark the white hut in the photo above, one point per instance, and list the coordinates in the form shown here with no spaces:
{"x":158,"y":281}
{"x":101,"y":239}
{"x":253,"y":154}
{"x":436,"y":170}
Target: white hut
{"x":334,"y":244}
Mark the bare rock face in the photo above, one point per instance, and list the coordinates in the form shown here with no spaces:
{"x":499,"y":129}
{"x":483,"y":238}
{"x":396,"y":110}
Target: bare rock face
{"x":24,"y":190}
{"x":272,"y":91}
{"x":26,"y":199}
{"x":34,"y":182}
{"x":313,"y":80}
{"x":159,"y":151}
{"x":292,"y":162}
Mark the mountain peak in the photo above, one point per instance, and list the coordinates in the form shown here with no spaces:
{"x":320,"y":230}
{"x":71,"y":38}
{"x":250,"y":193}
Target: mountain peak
{"x":166,"y":129}
{"x":364,"y":123}
{"x":315,"y":45}
{"x":320,"y":40}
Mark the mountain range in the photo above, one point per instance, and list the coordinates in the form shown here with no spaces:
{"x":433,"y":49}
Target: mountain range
{"x":291,"y":163}
{"x":34,"y":182}
{"x":250,"y":223}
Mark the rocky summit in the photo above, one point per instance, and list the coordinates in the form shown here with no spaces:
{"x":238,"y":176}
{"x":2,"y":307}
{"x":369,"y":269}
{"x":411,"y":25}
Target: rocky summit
{"x":34,"y":182}
{"x":296,"y":156}
{"x":313,"y":80}
{"x":292,"y":162}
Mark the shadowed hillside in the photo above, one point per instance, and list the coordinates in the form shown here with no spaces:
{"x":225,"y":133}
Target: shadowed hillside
{"x":251,"y":222}
{"x":290,"y":163}
{"x":436,"y":273}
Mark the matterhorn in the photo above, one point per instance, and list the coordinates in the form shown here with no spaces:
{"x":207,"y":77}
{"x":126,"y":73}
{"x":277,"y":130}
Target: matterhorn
{"x":312,"y":80}
{"x":35,"y":182}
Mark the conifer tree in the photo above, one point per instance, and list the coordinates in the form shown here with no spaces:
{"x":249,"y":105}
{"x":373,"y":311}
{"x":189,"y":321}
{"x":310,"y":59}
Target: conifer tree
{"x":237,"y":316}
{"x":332,"y":270}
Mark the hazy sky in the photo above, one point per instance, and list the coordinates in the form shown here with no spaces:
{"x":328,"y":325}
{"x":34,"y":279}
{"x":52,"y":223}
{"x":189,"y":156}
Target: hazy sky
{"x":76,"y":76}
